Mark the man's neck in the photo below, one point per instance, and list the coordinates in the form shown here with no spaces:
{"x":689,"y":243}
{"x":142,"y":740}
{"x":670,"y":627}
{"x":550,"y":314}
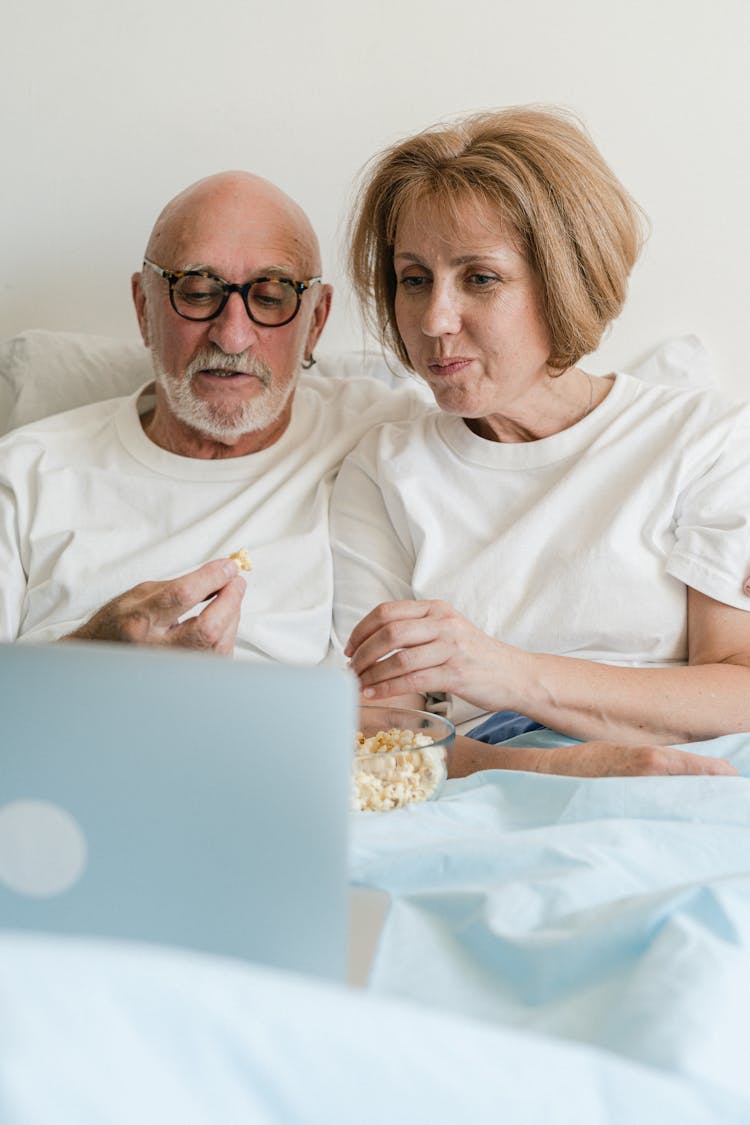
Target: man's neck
{"x":166,"y":431}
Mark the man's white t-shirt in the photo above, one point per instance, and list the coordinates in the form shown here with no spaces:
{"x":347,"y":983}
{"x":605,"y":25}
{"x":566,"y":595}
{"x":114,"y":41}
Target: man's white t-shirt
{"x":90,"y":507}
{"x":580,"y":544}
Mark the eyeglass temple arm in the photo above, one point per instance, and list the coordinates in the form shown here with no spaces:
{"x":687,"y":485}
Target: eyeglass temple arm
{"x":301,"y":286}
{"x":158,"y":269}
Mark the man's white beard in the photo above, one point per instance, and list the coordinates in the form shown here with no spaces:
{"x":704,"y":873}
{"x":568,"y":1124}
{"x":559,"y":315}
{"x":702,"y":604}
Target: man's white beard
{"x":224,"y":421}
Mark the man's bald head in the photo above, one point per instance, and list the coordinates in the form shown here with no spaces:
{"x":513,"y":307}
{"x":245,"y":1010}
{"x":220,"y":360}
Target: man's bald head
{"x":235,"y":206}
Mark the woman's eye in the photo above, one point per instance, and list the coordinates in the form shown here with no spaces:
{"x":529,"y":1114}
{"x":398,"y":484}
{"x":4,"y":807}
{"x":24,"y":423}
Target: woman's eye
{"x":481,"y":280}
{"x":413,"y":281}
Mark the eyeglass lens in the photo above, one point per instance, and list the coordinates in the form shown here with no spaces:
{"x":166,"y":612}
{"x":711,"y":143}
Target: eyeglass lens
{"x":270,"y":302}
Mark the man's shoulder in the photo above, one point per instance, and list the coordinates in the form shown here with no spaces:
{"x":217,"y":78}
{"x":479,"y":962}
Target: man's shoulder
{"x":349,"y":396}
{"x":68,"y":424}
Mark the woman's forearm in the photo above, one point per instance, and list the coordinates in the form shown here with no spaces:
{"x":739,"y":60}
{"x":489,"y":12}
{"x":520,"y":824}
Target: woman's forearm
{"x":588,"y":700}
{"x":402,"y":647}
{"x":584,"y":759}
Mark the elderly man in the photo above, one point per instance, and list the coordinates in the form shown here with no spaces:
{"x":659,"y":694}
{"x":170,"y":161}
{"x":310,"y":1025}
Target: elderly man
{"x":117,"y":519}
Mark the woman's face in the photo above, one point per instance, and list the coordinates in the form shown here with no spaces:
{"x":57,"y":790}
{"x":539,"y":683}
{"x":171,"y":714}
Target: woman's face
{"x":468,"y":310}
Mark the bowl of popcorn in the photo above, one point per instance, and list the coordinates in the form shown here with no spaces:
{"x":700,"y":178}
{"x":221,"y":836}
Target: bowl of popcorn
{"x":400,"y":756}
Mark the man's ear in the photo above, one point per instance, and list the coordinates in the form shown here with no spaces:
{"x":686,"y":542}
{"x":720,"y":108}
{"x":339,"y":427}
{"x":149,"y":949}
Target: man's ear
{"x":319,"y":317}
{"x":139,"y":300}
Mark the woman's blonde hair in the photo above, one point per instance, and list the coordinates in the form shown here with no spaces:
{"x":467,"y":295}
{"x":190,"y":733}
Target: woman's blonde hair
{"x":551,"y":189}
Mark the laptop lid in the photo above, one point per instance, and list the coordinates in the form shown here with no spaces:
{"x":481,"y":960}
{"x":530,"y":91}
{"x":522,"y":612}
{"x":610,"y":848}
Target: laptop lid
{"x":178,"y":798}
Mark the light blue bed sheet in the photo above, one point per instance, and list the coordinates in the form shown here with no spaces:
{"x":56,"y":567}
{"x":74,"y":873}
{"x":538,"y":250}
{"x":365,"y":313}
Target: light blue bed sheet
{"x":614,"y":912}
{"x":98,"y":1033}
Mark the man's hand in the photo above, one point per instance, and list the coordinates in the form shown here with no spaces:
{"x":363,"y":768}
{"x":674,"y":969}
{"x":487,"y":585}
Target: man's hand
{"x":586,"y":759}
{"x":150,"y":613}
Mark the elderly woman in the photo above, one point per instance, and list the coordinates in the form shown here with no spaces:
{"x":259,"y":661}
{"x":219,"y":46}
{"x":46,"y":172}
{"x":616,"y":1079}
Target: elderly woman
{"x":551,"y":543}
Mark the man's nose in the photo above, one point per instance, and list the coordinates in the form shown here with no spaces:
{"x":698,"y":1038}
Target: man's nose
{"x":233,"y":330}
{"x":441,"y":314}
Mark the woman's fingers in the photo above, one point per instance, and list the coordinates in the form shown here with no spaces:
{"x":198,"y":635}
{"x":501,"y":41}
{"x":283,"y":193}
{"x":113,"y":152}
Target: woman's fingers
{"x":404,"y":647}
{"x":388,"y":617}
{"x":395,"y":647}
{"x":409,"y":670}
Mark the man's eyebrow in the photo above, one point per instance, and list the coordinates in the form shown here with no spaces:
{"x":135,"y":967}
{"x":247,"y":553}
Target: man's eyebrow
{"x":262,"y":271}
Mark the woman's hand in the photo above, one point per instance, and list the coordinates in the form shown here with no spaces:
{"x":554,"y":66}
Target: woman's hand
{"x":421,"y":646}
{"x":586,"y":759}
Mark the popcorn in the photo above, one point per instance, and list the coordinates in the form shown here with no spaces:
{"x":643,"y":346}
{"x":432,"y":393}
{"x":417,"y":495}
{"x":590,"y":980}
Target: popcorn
{"x":407,"y":772}
{"x":242,"y":559}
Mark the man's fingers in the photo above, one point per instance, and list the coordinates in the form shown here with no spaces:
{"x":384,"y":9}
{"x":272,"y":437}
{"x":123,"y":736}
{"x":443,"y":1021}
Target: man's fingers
{"x":197,"y":586}
{"x":149,"y":613}
{"x":215,"y":627}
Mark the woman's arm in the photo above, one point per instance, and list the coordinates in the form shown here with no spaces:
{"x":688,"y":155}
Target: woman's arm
{"x":373,"y":559}
{"x":584,"y":759}
{"x":433,"y":648}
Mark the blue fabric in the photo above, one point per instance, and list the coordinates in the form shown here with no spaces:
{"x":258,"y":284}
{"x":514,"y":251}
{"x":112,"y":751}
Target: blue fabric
{"x":608,"y":911}
{"x":96,"y":1032}
{"x":501,"y":726}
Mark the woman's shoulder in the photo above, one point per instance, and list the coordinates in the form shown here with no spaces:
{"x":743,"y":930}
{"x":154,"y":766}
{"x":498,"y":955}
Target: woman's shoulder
{"x":701,"y":404}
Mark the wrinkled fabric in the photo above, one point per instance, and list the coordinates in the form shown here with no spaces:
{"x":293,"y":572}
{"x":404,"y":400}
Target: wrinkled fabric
{"x":613,"y":912}
{"x":501,"y":726}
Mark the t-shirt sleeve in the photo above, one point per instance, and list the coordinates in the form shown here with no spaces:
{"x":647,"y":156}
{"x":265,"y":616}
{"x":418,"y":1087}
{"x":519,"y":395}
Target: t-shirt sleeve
{"x":712,"y":533}
{"x":373,"y":558}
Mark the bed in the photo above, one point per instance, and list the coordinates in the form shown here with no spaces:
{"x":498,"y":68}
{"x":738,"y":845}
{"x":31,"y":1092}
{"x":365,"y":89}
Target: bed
{"x":609,"y":912}
{"x":556,"y":949}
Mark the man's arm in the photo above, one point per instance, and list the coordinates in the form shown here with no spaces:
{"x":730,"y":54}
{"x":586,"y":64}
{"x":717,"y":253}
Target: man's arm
{"x":150,"y":613}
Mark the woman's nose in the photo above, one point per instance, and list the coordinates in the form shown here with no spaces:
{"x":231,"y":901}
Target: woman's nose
{"x":442,"y":313}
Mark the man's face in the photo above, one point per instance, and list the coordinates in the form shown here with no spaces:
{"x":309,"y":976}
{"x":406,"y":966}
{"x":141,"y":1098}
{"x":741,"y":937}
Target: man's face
{"x":227,"y":377}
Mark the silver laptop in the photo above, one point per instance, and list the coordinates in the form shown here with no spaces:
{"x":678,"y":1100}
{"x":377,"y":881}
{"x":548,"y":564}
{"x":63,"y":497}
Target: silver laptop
{"x":177,"y":798}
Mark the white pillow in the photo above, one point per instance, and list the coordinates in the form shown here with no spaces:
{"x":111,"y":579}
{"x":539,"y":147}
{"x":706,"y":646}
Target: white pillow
{"x":682,"y":362}
{"x":44,"y":372}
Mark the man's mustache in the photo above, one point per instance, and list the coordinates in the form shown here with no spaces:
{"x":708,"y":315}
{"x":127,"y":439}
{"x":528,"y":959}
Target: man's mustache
{"x":243,"y":363}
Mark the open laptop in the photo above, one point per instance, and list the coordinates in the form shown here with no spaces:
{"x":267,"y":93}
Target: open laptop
{"x":177,"y":798}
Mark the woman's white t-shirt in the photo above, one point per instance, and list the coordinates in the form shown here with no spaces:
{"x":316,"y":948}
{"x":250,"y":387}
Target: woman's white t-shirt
{"x":580,"y":544}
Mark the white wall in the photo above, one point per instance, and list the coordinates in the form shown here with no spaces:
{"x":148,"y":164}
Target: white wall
{"x":108,"y":110}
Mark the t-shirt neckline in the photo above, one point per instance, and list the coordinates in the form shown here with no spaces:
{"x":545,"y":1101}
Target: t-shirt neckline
{"x":146,"y":452}
{"x":545,"y":451}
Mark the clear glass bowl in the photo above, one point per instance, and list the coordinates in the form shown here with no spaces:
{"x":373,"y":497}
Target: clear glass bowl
{"x":405,"y":759}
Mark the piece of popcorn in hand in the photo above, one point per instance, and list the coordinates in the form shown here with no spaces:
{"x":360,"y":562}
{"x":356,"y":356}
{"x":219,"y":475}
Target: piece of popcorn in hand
{"x":242,"y":559}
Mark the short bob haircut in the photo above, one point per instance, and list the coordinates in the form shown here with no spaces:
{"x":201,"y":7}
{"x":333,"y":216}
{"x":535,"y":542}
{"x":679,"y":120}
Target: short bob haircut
{"x":553,"y":193}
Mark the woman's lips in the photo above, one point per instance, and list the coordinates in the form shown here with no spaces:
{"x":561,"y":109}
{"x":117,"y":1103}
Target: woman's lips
{"x":449,"y":366}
